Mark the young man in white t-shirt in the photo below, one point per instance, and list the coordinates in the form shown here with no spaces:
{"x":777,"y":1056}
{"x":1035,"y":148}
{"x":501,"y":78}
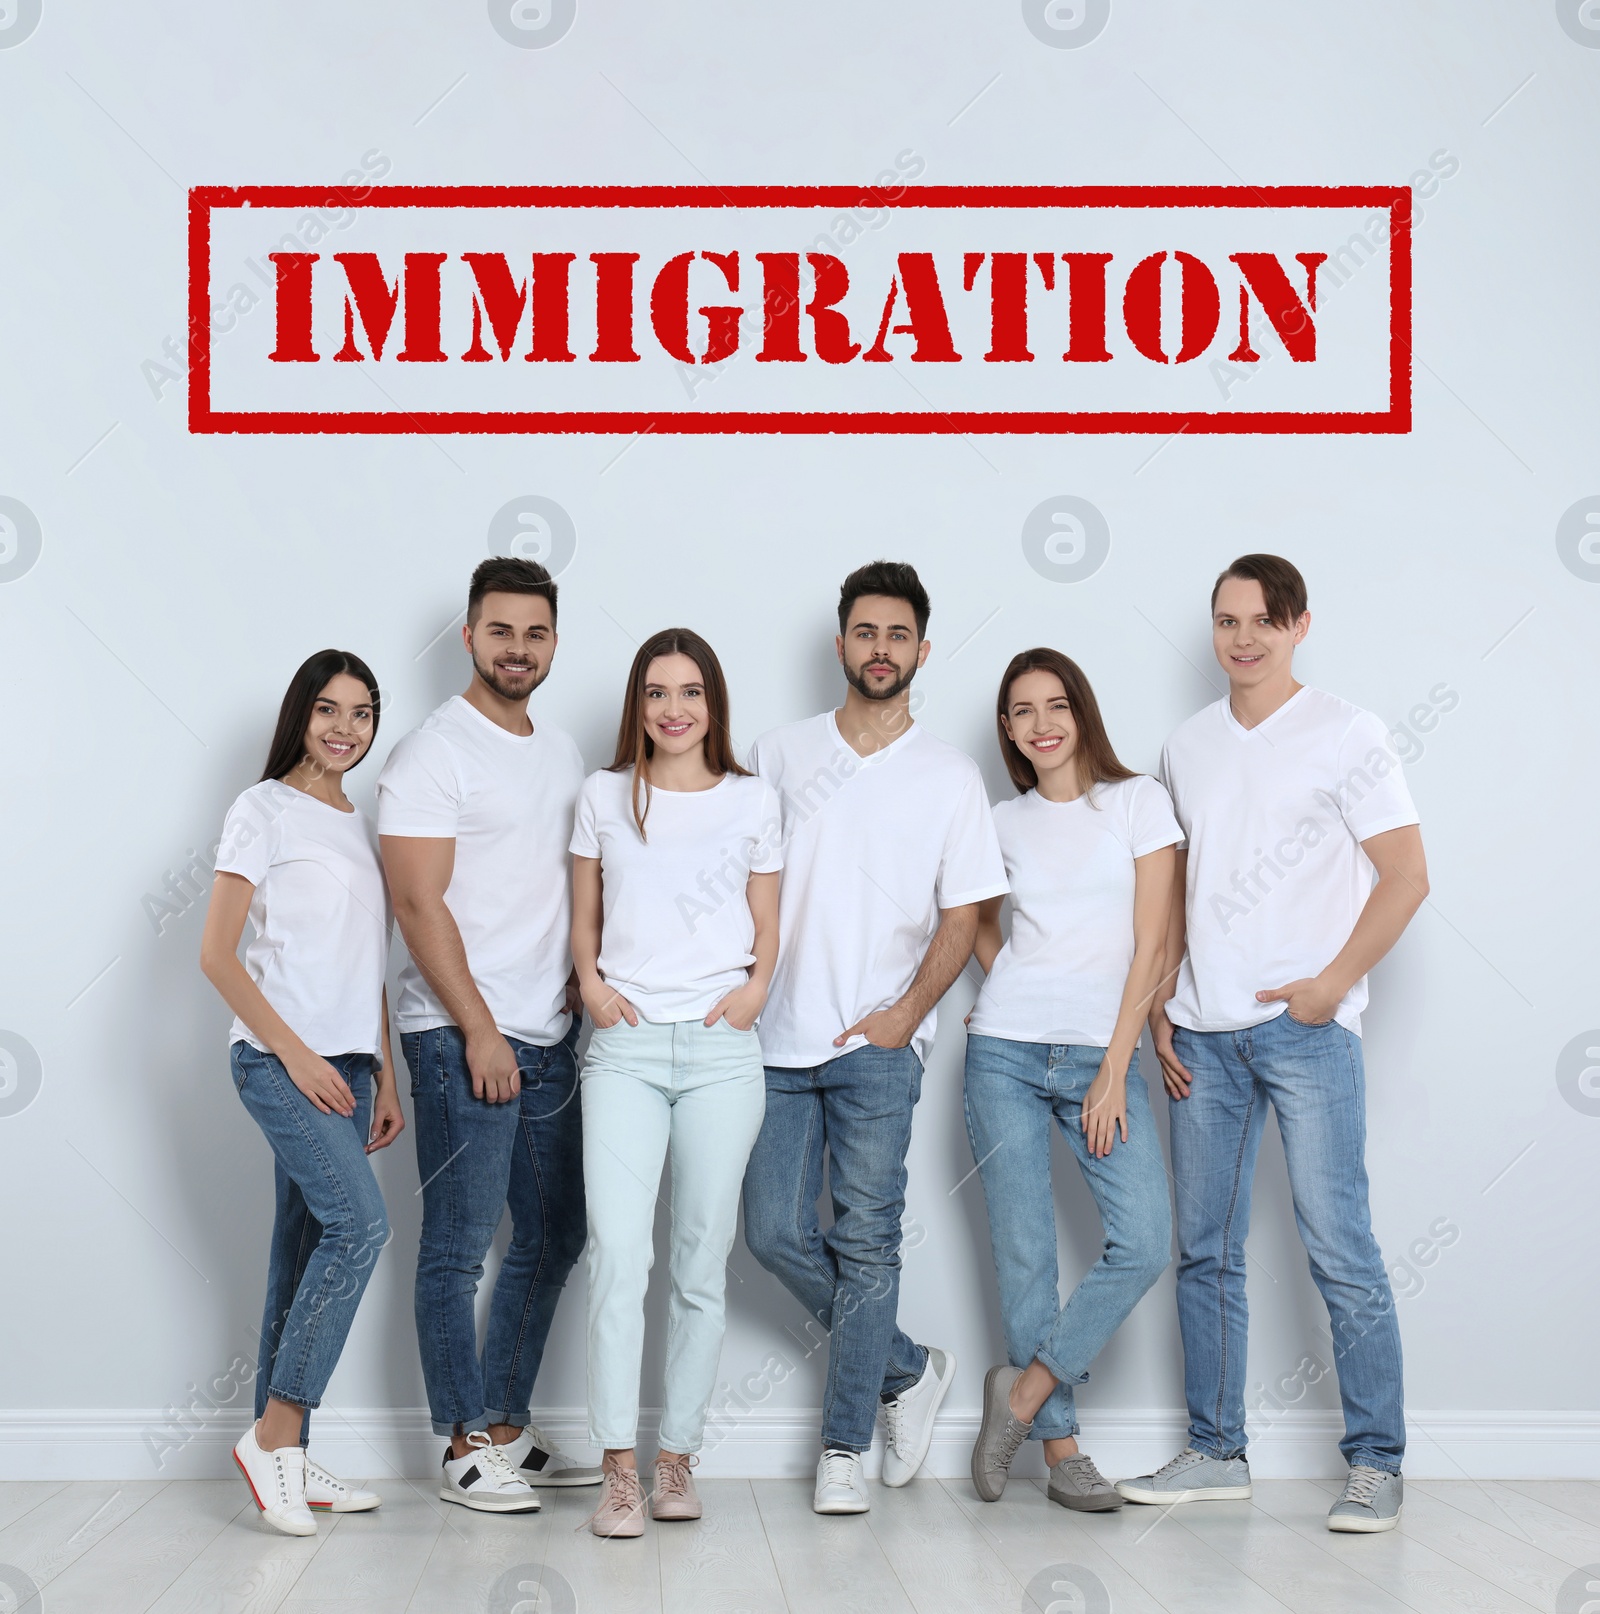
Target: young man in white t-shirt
{"x":1303,"y":863}
{"x":888,"y":850}
{"x":474,"y":815}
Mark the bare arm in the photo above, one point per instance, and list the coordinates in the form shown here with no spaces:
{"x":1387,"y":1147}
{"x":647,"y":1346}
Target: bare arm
{"x":741,"y":1006}
{"x":219,"y":962}
{"x":1174,"y":1074}
{"x":605,"y":1006}
{"x":987,"y":939}
{"x":419,"y":870}
{"x":1105,"y":1110}
{"x":388,"y":1119}
{"x":944,"y":960}
{"x":1402,"y":884}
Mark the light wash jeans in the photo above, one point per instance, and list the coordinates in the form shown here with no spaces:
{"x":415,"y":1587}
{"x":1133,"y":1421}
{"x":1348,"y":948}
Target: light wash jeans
{"x":697,"y":1091}
{"x":1013,"y":1092}
{"x":327,"y":1230}
{"x":1312,"y":1077}
{"x":476,"y":1158}
{"x":859,"y":1107}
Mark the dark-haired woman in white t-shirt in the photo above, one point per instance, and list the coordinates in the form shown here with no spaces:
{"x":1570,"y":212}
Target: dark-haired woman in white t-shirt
{"x":1053,"y":1039}
{"x":311,"y":1059}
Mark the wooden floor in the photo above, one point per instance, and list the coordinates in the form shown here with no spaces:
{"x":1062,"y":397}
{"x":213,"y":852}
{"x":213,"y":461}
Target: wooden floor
{"x":198,"y":1547}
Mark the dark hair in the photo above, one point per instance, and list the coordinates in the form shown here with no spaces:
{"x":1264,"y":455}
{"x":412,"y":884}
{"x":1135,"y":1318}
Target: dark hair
{"x":895,"y":580}
{"x":509,"y":574}
{"x":634,"y":745}
{"x":288,"y":749}
{"x":1282,"y":586}
{"x":1097,"y":762}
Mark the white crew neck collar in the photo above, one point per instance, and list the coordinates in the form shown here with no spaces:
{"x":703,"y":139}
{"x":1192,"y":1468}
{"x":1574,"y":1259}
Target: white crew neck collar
{"x":493,"y":727}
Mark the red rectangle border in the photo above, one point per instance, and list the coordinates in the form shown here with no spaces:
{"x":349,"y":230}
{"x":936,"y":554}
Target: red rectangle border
{"x":1395,"y":198}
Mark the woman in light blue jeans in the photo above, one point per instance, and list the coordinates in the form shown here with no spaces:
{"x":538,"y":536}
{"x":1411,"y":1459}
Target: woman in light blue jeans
{"x":676,"y":852}
{"x":1053,"y":1038}
{"x":309,"y":1044}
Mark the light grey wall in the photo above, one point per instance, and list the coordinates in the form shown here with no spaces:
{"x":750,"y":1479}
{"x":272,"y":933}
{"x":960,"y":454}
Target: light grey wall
{"x":182,"y":578}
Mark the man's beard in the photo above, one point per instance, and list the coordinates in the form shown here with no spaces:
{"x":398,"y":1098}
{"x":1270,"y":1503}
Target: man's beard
{"x":488,"y":672}
{"x":887,"y":692}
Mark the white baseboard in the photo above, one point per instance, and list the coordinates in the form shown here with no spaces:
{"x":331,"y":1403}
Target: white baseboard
{"x":377,"y":1442}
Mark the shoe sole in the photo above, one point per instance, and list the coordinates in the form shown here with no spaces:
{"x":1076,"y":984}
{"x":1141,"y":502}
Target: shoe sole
{"x":556,"y":1484}
{"x":1084,"y":1504}
{"x":946,"y":1379}
{"x":479,"y":1505}
{"x":674,"y":1518}
{"x":1362,"y":1527}
{"x":835,"y":1507}
{"x":979,"y":1472}
{"x":345,"y":1507}
{"x":276,"y":1524}
{"x":1205,"y":1493}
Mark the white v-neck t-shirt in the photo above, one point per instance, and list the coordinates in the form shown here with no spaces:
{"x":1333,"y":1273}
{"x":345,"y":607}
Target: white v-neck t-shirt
{"x":874,"y":847}
{"x":320,"y":912}
{"x":506,"y":800}
{"x":1061,"y":975}
{"x":1274,"y":817}
{"x":676,"y":930}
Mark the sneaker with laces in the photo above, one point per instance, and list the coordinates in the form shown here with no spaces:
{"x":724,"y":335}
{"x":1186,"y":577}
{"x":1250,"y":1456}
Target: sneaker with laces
{"x":619,"y":1514}
{"x":1077,"y":1484}
{"x":540,"y":1461}
{"x":841,"y":1483}
{"x":673,"y":1495}
{"x":327,"y":1494}
{"x":909,"y":1418}
{"x":277,"y":1481}
{"x":484,"y":1479}
{"x":999,"y":1435}
{"x":1191,"y":1476}
{"x":1372,"y":1500}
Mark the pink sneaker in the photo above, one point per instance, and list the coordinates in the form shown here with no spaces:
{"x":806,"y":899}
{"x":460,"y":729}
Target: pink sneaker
{"x":674,"y":1496}
{"x":620,"y":1513}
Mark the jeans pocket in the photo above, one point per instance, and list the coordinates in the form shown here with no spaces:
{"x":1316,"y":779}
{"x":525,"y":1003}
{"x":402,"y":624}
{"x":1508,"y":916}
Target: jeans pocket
{"x":1308,"y":1025}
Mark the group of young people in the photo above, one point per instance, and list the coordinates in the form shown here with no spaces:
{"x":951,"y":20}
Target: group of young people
{"x":759,"y":949}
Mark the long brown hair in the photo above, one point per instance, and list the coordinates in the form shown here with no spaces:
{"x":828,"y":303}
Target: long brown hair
{"x":1097,"y":762}
{"x":634,"y":745}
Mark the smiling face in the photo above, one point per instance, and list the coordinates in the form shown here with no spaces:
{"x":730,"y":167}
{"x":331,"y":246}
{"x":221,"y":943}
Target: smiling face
{"x":512,"y":640}
{"x":676,"y":715}
{"x":1038,"y":719}
{"x":1251,"y":648}
{"x":340,"y":729}
{"x":879,"y":649}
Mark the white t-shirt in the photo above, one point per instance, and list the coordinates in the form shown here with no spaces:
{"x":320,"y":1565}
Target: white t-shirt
{"x":320,"y":911}
{"x":506,"y":800}
{"x":676,"y":931}
{"x":1274,"y":817}
{"x":1060,"y":977}
{"x":874,"y":847}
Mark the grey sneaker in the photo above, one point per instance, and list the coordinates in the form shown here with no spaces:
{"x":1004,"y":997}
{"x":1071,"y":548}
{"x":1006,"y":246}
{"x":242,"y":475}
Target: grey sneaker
{"x":1077,"y":1484}
{"x":999,"y":1435}
{"x":1371,"y":1501}
{"x":1191,"y":1476}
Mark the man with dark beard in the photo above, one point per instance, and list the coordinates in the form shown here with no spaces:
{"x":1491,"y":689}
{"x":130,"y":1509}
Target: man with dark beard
{"x":475,"y":812}
{"x":889,"y":849}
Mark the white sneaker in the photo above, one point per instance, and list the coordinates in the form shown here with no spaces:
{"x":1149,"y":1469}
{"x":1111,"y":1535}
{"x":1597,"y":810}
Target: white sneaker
{"x":841,"y":1484}
{"x":910,"y":1418}
{"x":485,"y":1480}
{"x":277,"y":1481}
{"x":329,"y":1495}
{"x":540,"y":1462}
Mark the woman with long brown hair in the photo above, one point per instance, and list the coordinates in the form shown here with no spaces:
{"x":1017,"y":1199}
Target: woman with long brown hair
{"x":1053,"y":1037}
{"x":676,"y":851}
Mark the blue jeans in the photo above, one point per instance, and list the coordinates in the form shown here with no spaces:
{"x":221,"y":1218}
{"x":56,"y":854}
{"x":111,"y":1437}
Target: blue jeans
{"x":859,"y":1106}
{"x":327,"y":1229}
{"x":698,"y":1091}
{"x":1013,"y":1091}
{"x":474,"y":1158}
{"x":1313,"y":1078}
